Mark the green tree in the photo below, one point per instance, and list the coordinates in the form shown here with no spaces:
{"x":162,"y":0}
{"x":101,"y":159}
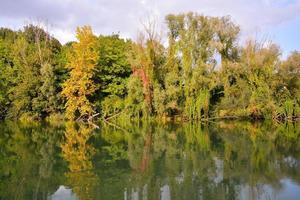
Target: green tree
{"x":112,"y":67}
{"x":30,"y":51}
{"x":112,"y":73}
{"x":288,"y":85}
{"x":6,"y":68}
{"x":26,"y":84}
{"x":194,"y":40}
{"x":249,"y":84}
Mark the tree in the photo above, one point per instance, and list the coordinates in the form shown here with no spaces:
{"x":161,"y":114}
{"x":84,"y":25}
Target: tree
{"x":80,"y":85}
{"x":47,"y":49}
{"x":146,"y":59}
{"x":248,"y":84}
{"x":289,"y":71}
{"x":193,"y":41}
{"x":288,"y":86}
{"x":226,"y":41}
{"x":200,"y":73}
{"x":26,"y":84}
{"x":112,"y":67}
{"x":112,"y":73}
{"x":6,"y":66}
{"x":48,"y":91}
{"x":34,"y":54}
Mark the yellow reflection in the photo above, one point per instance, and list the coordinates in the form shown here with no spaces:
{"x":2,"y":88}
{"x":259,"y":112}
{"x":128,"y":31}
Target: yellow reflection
{"x":78,"y":153}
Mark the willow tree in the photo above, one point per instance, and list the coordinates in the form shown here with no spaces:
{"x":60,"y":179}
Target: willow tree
{"x":195,"y":40}
{"x":80,"y":86}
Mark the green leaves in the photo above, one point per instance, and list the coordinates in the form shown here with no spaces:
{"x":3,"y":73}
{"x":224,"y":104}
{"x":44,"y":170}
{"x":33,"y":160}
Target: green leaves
{"x":112,"y":69}
{"x":201,"y":72}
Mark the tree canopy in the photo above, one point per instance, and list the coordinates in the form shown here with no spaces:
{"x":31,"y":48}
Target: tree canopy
{"x":202,"y":73}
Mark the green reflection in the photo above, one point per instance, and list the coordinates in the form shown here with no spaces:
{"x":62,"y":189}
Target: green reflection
{"x":30,"y":167}
{"x":224,"y":160}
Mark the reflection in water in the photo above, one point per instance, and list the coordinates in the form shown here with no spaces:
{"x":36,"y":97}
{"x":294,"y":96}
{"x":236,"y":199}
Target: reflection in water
{"x":223,"y":160}
{"x":78,"y":153}
{"x":28,"y":161}
{"x":76,"y":150}
{"x":63,"y":193}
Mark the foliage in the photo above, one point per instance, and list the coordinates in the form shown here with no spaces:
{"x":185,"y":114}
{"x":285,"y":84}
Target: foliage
{"x":28,"y":72}
{"x":112,"y":65}
{"x":112,"y":73}
{"x":80,"y":85}
{"x":201,"y":72}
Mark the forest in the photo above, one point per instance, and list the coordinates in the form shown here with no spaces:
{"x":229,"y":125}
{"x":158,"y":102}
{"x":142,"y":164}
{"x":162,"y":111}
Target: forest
{"x":203,"y":73}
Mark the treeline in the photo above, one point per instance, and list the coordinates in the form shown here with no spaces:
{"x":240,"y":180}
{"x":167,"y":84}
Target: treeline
{"x":202,"y":73}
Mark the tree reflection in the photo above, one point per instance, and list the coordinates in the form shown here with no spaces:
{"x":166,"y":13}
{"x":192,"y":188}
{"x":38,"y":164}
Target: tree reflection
{"x":28,"y":154}
{"x":224,"y":160}
{"x":220,"y":161}
{"x":78,"y":153}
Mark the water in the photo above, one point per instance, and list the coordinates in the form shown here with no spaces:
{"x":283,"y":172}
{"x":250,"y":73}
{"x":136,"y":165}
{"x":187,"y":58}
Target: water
{"x":225,"y":160}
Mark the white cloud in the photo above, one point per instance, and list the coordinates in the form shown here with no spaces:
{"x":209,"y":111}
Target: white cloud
{"x":125,"y":16}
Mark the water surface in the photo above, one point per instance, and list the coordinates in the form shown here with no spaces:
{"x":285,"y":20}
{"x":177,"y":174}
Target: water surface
{"x":147,"y":161}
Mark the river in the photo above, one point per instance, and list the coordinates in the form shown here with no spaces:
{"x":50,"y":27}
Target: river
{"x":150,"y":161}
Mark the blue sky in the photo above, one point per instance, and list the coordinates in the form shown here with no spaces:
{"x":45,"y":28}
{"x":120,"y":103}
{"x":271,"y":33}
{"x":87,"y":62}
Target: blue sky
{"x":287,"y":35}
{"x":278,"y":20}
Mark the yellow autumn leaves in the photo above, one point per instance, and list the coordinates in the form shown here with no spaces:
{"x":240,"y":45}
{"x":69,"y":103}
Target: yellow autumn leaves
{"x":81,"y":63}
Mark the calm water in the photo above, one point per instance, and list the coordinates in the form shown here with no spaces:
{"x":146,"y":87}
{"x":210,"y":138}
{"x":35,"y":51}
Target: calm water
{"x":223,"y":160}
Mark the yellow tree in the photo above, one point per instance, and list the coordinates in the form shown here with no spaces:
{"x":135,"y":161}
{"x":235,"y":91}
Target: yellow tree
{"x":81,"y":63}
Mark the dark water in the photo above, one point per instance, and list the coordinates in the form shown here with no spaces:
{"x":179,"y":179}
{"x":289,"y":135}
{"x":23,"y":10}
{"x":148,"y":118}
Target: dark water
{"x":223,"y":160}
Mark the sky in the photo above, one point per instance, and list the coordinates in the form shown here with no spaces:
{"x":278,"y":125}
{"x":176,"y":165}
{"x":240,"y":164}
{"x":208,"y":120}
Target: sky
{"x":276,"y":20}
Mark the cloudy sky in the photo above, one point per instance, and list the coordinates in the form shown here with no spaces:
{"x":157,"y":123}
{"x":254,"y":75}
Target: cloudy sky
{"x":278,"y":20}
